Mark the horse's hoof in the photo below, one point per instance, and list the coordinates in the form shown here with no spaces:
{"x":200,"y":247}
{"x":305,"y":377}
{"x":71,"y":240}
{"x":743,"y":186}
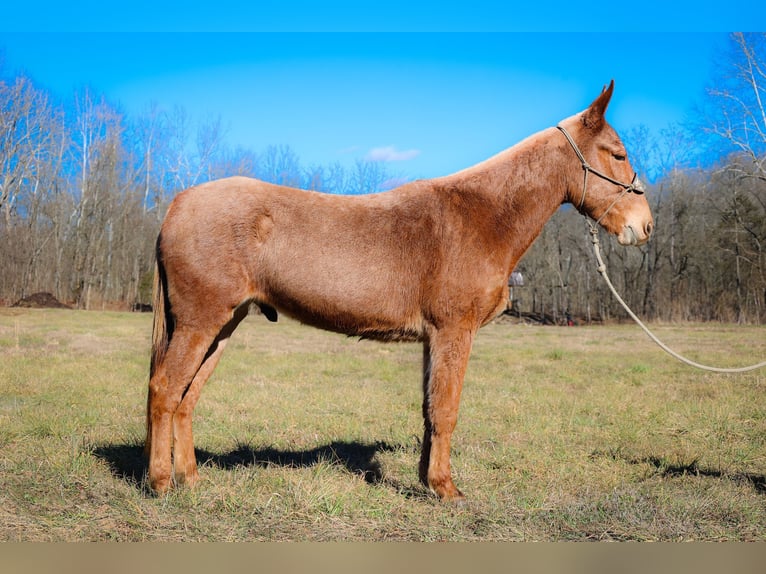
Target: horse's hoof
{"x":449,"y":494}
{"x":160,"y":486}
{"x":458,"y":500}
{"x":188,"y":479}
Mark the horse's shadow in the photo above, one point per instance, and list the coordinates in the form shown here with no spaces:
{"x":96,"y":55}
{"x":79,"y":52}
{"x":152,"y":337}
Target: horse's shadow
{"x":128,"y":463}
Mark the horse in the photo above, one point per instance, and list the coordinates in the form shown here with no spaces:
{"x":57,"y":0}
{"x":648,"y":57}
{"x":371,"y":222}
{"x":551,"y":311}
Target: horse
{"x":427,"y":262}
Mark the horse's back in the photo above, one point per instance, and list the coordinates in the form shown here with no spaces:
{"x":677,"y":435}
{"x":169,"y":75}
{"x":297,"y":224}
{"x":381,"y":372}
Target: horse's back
{"x":350,"y":264}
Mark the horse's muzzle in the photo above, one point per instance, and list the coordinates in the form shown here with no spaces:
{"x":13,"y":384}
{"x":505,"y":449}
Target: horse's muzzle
{"x":631,"y":236}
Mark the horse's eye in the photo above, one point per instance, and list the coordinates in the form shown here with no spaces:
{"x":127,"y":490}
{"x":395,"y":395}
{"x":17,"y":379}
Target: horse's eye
{"x":618,"y":156}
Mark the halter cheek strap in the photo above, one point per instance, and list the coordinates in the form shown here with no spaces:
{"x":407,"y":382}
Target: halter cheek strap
{"x":635,"y":185}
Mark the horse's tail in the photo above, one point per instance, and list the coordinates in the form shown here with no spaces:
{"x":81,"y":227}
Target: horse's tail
{"x":161,"y":333}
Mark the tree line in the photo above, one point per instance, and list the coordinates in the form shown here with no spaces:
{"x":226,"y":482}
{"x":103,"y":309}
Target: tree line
{"x":84,"y":187}
{"x":705,"y":260}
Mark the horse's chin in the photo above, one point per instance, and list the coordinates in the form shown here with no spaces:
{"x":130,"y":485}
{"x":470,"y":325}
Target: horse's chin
{"x":628,"y":236}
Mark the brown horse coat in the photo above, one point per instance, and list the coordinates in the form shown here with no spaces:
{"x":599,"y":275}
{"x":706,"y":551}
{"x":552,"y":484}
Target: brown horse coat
{"x":428,"y":261}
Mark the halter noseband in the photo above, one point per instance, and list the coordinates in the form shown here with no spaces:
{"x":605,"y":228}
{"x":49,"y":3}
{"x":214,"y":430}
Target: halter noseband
{"x":634,"y":186}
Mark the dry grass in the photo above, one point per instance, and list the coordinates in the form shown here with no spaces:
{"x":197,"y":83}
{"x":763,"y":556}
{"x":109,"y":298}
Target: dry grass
{"x":564,"y":434}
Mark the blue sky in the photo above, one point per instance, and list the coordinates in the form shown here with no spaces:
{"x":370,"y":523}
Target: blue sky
{"x":388,"y":16}
{"x":427,"y":103}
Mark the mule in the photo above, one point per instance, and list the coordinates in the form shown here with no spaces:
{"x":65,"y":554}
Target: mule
{"x":428,"y":261}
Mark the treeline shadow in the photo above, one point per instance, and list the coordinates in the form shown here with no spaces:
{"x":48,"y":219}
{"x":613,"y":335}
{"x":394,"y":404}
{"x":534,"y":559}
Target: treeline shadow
{"x":127,"y":461}
{"x":758,"y":481}
{"x":666,"y":469}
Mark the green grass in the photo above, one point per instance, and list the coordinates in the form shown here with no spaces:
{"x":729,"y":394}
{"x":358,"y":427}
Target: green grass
{"x":586,"y":433}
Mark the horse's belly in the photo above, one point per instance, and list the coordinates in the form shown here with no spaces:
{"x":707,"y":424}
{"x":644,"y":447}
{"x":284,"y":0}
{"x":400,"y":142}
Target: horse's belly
{"x":356,"y":307}
{"x":357,"y":322}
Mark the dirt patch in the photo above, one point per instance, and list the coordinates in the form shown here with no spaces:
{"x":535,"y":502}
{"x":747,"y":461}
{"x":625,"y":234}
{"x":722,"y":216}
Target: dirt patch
{"x":42,"y":300}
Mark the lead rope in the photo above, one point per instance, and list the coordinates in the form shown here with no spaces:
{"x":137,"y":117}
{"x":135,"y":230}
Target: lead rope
{"x":602,"y":270}
{"x":633,"y":187}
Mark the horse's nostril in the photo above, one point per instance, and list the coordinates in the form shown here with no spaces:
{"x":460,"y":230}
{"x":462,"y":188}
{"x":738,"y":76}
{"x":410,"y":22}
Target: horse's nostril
{"x":648,"y":228}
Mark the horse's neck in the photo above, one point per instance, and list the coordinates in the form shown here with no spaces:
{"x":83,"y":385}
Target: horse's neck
{"x":523,"y":185}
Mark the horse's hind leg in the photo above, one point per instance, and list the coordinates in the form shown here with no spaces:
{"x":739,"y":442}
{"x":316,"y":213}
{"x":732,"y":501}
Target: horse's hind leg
{"x":184,"y":461}
{"x":186,"y":352}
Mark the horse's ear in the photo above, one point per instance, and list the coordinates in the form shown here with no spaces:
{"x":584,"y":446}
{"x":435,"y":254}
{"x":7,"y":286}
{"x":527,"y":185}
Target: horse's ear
{"x":593,"y":117}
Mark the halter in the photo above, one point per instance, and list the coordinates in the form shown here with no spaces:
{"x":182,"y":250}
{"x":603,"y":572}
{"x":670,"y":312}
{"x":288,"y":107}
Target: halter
{"x":635,"y":185}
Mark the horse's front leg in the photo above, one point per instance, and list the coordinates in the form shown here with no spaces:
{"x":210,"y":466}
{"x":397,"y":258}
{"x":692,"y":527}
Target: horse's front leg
{"x":445,"y":358}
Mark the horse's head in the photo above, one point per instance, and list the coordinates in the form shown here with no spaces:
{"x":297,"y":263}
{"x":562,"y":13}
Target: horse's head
{"x":600,"y":180}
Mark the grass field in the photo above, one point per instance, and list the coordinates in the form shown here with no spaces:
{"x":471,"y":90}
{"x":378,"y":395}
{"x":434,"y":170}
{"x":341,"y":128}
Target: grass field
{"x":585,"y":433}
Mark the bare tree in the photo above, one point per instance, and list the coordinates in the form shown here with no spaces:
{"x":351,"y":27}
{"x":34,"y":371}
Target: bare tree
{"x":99,"y":153}
{"x":280,"y":164}
{"x":736,"y":109}
{"x":24,"y":114}
{"x":736,"y":113}
{"x":209,"y":148}
{"x":31,"y":148}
